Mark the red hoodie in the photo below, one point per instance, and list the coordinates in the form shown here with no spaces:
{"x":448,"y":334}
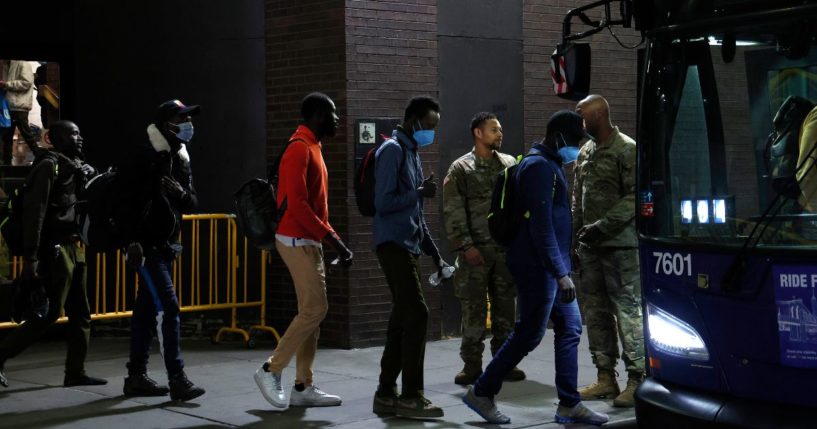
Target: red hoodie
{"x":304,"y":182}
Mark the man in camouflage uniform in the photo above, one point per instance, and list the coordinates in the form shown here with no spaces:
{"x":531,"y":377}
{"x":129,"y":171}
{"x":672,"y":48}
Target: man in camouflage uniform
{"x":604,"y":228}
{"x":481,"y":275}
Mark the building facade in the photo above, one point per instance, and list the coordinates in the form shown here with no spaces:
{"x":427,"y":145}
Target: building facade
{"x":371,"y":57}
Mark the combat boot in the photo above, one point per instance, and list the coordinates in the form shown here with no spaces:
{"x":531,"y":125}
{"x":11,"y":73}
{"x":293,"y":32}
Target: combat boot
{"x":627,"y":397}
{"x":605,"y":387}
{"x":469,"y":374}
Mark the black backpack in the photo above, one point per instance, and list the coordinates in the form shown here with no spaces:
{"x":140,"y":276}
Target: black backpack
{"x":504,"y":217}
{"x":257,"y":210}
{"x":11,"y":214}
{"x":365,"y":180}
{"x":783,"y":145}
{"x":106,"y":212}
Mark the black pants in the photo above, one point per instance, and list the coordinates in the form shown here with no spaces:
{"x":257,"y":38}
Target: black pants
{"x":19,"y":120}
{"x":64,"y":276}
{"x":406,"y":336}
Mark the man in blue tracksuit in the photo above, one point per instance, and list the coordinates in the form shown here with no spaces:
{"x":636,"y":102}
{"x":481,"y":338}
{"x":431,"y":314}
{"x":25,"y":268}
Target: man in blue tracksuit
{"x":539,"y":260}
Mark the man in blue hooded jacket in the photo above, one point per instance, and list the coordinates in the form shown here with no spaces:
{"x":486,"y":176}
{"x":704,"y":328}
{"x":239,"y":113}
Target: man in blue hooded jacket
{"x":539,"y":261}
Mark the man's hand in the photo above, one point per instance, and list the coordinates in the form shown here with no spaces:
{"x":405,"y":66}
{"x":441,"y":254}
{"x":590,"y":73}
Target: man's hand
{"x":87,"y":170}
{"x":135,"y":255}
{"x":345,"y":256}
{"x":567,"y":290}
{"x":589,"y":234}
{"x":575,"y":260}
{"x":172,"y":188}
{"x":474,"y":257}
{"x":29,"y":271}
{"x":428,"y":189}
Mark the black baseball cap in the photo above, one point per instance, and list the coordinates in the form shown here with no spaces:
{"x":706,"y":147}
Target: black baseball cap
{"x":171,"y":108}
{"x":567,"y":122}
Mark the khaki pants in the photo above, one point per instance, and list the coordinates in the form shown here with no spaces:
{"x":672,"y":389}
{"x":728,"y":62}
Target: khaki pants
{"x":305,"y":264}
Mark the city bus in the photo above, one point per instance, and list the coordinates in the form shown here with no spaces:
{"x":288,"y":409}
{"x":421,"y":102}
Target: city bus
{"x":726,"y":206}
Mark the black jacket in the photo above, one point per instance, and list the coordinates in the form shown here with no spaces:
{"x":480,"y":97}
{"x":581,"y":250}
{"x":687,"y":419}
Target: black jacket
{"x":49,"y":202}
{"x":154,"y":216}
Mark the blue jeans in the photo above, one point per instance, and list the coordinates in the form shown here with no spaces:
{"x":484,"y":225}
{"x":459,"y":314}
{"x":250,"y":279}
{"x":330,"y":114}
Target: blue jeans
{"x":537,"y":302}
{"x":143,"y":322}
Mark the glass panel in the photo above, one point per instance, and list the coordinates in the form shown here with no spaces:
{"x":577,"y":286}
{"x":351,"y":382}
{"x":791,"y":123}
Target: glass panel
{"x":758,"y":159}
{"x":689,"y":155}
{"x":32,"y":92}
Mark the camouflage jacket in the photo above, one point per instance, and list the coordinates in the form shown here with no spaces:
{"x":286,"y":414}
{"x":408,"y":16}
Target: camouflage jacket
{"x":467,"y":192}
{"x":604,"y":190}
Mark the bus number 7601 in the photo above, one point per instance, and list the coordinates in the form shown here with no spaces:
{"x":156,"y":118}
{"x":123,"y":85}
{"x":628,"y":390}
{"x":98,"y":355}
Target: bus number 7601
{"x":673,"y":264}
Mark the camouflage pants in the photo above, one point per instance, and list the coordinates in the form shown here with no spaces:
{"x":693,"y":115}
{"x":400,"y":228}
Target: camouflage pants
{"x":475,"y":286}
{"x":611,"y":290}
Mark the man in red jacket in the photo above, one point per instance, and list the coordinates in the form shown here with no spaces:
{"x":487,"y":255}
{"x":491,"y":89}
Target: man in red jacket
{"x":303,"y":185}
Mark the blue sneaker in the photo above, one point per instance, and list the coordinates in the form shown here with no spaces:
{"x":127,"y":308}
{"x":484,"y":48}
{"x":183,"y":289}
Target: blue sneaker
{"x":580,"y":414}
{"x":485,"y":407}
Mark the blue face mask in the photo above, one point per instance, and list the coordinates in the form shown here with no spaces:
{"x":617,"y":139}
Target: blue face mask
{"x":185,"y":132}
{"x":568,"y":153}
{"x":423,"y":137}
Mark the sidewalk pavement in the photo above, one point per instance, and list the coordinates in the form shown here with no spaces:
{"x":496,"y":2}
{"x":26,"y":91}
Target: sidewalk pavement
{"x":36,"y":398}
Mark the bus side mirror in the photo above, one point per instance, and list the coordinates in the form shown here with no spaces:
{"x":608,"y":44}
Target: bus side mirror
{"x":570,"y":70}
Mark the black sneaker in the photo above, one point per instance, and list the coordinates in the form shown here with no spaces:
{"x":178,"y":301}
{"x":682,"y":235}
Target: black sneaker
{"x":142,"y":385}
{"x":418,"y":408}
{"x":182,"y":389}
{"x":384,"y":404}
{"x":82,"y":380}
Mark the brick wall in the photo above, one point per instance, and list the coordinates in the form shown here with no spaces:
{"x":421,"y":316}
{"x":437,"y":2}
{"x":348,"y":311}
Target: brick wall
{"x":304,"y":53}
{"x":391,"y":49}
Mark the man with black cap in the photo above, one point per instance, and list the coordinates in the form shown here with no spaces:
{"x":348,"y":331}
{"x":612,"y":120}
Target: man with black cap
{"x":159,"y":183}
{"x":52,"y":253}
{"x":539,"y":261}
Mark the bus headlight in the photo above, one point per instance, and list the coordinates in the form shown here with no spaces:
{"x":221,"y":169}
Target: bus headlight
{"x":673,"y":336}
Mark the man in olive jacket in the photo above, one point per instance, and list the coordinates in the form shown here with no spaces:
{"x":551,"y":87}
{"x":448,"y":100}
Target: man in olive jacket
{"x":52,"y":251}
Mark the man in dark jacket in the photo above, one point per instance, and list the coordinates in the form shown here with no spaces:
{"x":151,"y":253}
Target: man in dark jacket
{"x":400,"y":236}
{"x":539,"y":260}
{"x":52,"y":253}
{"x":159,"y":182}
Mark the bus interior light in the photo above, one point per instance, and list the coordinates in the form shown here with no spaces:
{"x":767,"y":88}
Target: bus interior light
{"x":673,"y":336}
{"x":702,"y":209}
{"x":686,"y":211}
{"x":719,"y":210}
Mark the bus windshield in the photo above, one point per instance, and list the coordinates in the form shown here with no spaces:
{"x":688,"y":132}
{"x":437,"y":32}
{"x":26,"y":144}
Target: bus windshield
{"x":728,"y":132}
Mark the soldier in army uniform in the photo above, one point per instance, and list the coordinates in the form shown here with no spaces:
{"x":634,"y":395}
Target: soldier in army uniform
{"x":606,"y":246}
{"x":481,"y":275}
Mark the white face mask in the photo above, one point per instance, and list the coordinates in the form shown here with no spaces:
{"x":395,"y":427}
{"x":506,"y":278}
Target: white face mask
{"x":185,"y":132}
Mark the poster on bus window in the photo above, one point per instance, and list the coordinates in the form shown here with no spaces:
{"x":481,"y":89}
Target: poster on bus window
{"x":796,"y":295}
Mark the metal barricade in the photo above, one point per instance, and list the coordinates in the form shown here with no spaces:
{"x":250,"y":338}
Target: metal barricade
{"x":212,"y":273}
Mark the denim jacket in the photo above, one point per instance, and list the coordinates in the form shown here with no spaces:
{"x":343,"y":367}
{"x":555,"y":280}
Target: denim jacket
{"x":399,"y":208}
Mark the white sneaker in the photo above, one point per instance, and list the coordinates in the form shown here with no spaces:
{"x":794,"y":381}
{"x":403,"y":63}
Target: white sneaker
{"x":270,"y":385}
{"x":312,"y":397}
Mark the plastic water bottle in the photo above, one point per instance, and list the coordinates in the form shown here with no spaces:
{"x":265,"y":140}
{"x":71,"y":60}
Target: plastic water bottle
{"x":447,"y":272}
